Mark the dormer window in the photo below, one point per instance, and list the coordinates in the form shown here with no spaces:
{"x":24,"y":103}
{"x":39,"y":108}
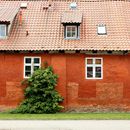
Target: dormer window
{"x":71,"y":32}
{"x":71,"y":21}
{"x":101,"y":30}
{"x":7,"y":16}
{"x":3,"y":31}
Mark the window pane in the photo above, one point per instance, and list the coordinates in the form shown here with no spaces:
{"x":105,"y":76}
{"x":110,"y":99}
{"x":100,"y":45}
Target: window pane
{"x":98,"y":69}
{"x":28,"y":68}
{"x":27,"y":74}
{"x":98,"y":75}
{"x":102,"y":29}
{"x":36,"y":60}
{"x":68,"y":34}
{"x":2,"y":31}
{"x":28,"y":60}
{"x":98,"y":61}
{"x":98,"y":72}
{"x":68,"y":29}
{"x":73,"y":29}
{"x":89,"y":72}
{"x":27,"y":71}
{"x":73,"y":34}
{"x":35,"y":68}
{"x":89,"y":61}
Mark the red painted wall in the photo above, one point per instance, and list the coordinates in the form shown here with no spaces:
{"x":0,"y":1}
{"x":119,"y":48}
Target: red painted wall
{"x":113,"y":89}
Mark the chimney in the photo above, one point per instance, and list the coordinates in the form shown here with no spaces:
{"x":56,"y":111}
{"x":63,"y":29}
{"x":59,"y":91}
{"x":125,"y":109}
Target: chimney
{"x":20,"y":18}
{"x":50,"y":2}
{"x":23,"y":5}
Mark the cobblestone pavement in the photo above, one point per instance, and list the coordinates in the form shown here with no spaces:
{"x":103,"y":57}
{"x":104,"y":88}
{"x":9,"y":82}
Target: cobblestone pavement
{"x":65,"y":125}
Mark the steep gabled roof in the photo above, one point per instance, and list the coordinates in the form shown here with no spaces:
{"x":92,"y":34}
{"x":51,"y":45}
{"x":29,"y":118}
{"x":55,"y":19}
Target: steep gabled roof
{"x":41,"y":27}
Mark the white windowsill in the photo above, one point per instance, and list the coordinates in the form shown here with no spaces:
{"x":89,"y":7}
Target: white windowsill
{"x":2,"y":38}
{"x":94,"y":78}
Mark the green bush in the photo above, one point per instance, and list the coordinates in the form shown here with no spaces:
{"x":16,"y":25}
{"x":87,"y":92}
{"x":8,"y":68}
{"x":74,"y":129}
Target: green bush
{"x":40,"y":93}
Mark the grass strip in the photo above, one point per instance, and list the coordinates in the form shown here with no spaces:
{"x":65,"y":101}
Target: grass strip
{"x":66,"y":116}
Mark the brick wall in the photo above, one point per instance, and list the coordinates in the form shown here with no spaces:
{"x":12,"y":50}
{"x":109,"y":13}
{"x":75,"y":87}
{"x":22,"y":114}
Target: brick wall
{"x":112,"y":90}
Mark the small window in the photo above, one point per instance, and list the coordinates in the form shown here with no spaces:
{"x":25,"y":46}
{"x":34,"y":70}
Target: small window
{"x":94,"y":68}
{"x":30,"y":65}
{"x":102,"y":30}
{"x":2,"y":31}
{"x":71,"y":32}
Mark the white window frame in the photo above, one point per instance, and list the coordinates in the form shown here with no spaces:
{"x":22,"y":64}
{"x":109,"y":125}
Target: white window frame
{"x":76,"y":32}
{"x":5,"y":31}
{"x":94,"y":67}
{"x":31,"y":64}
{"x":101,"y":29}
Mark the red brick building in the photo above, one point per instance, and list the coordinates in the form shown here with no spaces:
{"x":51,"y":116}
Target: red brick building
{"x":87,"y":43}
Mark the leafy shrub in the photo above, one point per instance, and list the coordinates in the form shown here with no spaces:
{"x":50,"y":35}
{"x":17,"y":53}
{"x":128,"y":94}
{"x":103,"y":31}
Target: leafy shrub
{"x":40,"y":93}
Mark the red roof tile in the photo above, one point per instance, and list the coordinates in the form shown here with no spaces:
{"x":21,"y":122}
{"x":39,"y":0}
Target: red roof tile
{"x":45,"y":31}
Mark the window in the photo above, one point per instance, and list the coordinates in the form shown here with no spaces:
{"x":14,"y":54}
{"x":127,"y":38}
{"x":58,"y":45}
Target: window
{"x":71,"y":32}
{"x":2,"y":31}
{"x":94,"y":68}
{"x":102,"y":30}
{"x":30,"y":65}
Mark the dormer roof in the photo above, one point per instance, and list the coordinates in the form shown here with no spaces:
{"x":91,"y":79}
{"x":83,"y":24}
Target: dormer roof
{"x":72,"y":17}
{"x":7,"y":14}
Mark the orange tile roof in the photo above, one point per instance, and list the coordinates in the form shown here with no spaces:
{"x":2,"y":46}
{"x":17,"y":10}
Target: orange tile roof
{"x":45,"y":31}
{"x":71,"y":17}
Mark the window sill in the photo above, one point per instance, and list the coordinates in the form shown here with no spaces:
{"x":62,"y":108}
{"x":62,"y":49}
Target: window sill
{"x":3,"y":38}
{"x":26,"y":77}
{"x":94,"y":78}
